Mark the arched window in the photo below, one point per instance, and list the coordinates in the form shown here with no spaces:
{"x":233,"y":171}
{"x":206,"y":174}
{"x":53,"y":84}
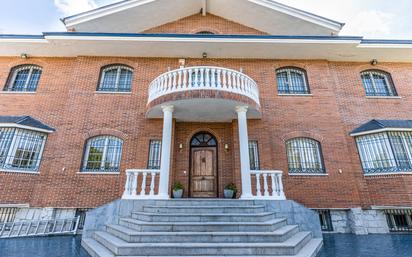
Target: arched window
{"x":304,"y":156}
{"x":205,"y":32}
{"x":292,"y":80}
{"x":24,"y":78}
{"x":103,"y":154}
{"x":21,"y":149}
{"x":203,"y":139}
{"x":116,"y":78}
{"x":378,"y":83}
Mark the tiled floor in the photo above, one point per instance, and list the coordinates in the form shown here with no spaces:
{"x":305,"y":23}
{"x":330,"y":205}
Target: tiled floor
{"x":335,"y":245}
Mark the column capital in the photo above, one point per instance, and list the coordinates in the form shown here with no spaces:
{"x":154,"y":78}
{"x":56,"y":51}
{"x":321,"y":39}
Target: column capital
{"x":168,"y":108}
{"x":241,"y":108}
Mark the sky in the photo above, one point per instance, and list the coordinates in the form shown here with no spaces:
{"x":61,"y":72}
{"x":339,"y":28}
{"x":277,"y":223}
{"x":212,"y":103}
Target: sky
{"x":368,"y":18}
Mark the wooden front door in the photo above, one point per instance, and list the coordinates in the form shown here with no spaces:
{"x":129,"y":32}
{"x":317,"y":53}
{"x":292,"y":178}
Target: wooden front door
{"x":203,"y":172}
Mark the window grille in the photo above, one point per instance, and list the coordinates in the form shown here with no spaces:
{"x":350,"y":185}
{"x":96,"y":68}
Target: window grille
{"x":378,"y":83}
{"x":8,"y":214}
{"x":103,"y":154}
{"x":385,"y":152}
{"x":24,"y":79}
{"x":304,"y":156}
{"x":399,"y":220}
{"x":155,"y":148}
{"x":116,"y":78}
{"x":325,"y":220}
{"x":20,"y":149}
{"x":82,"y":214}
{"x":292,"y":81}
{"x":254,"y":155}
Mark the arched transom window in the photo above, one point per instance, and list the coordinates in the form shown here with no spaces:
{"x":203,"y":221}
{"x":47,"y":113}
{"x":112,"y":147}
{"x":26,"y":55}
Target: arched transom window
{"x":292,"y":80}
{"x":103,"y":154}
{"x":203,"y":139}
{"x":116,"y":78}
{"x":304,"y":156}
{"x":378,"y":83}
{"x":24,"y":78}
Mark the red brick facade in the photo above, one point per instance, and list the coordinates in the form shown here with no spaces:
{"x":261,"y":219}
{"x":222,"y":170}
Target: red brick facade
{"x":66,"y":99}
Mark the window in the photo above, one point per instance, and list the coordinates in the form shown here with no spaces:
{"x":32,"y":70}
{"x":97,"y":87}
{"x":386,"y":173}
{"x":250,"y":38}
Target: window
{"x":116,"y":78}
{"x":292,"y":81}
{"x":24,"y":79}
{"x":304,"y":156}
{"x":103,"y":154}
{"x":203,"y":139}
{"x":254,"y":155}
{"x":20,"y":149}
{"x":155,"y":149}
{"x":399,"y":220}
{"x":205,"y":32}
{"x":325,"y":220}
{"x":385,"y":152}
{"x":378,"y":83}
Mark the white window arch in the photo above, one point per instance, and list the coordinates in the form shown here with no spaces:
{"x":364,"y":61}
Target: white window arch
{"x":292,"y":80}
{"x":116,"y":78}
{"x":24,"y":78}
{"x":103,"y":154}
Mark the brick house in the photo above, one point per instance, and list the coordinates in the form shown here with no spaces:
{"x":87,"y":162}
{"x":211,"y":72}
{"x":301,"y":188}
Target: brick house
{"x":136,"y":97}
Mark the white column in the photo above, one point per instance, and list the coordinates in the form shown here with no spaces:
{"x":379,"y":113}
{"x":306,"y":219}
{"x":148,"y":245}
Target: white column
{"x":244,"y":152}
{"x":166,"y":151}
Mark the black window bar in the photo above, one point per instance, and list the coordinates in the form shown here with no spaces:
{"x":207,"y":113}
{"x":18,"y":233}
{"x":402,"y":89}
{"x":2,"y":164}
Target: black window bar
{"x":399,"y":220}
{"x":155,"y":148}
{"x":325,"y":220}
{"x":254,"y":155}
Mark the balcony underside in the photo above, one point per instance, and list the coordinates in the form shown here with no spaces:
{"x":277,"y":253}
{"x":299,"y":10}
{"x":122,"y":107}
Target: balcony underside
{"x":203,"y":109}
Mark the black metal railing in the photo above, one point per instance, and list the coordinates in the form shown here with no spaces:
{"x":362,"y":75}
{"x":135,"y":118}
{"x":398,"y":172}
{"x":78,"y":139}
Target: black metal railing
{"x":399,"y":220}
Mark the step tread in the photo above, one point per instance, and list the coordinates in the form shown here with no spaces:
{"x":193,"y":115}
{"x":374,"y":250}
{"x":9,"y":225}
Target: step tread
{"x":291,"y":242}
{"x":311,"y":249}
{"x":97,"y":248}
{"x":132,"y":232}
{"x":203,"y":223}
{"x":205,"y":214}
{"x":204,"y":206}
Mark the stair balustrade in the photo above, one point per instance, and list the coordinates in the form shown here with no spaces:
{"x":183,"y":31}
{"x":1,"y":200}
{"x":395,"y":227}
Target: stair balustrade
{"x":204,"y":78}
{"x":136,"y":190}
{"x":269,"y":184}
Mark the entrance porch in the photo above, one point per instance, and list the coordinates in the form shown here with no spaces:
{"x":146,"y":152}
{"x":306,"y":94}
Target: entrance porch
{"x":205,"y":143}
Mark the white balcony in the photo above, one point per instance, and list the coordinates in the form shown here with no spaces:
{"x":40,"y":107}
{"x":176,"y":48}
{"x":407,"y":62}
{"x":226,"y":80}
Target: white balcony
{"x":210,"y":93}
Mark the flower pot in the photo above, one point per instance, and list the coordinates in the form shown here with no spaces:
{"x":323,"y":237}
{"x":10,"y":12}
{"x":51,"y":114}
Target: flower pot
{"x":229,"y":193}
{"x":178,"y":193}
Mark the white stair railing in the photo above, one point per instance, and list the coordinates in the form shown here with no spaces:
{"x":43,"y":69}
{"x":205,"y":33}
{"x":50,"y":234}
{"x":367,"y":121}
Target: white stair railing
{"x":204,"y":78}
{"x":269,"y":184}
{"x":39,"y":227}
{"x":134,"y":189}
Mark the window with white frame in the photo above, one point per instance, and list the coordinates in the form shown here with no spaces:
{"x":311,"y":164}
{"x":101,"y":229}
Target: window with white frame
{"x":155,"y":148}
{"x":24,"y":78}
{"x":385,"y":152}
{"x":378,"y":83}
{"x":21,"y":149}
{"x":304,"y":156}
{"x":292,"y":80}
{"x":116,"y":78}
{"x":103,"y":154}
{"x":254,"y":155}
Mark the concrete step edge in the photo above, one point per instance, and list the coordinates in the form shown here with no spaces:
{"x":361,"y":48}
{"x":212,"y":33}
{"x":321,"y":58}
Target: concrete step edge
{"x":260,"y":214}
{"x":96,"y":249}
{"x":203,"y":223}
{"x":203,"y":206}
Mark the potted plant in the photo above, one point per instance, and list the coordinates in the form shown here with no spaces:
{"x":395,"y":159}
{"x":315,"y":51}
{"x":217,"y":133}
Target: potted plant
{"x":178,"y":190}
{"x":230,"y":191}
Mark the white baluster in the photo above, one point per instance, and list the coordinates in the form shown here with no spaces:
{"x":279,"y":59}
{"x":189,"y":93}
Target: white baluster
{"x":238,"y":85}
{"x":127,"y":187}
{"x":202,"y":77}
{"x":135,"y":176}
{"x":184,"y":85}
{"x":179,"y":81}
{"x":224,"y":79}
{"x":219,"y":83}
{"x":152,"y":184}
{"x":174,"y":81}
{"x":274,"y":187}
{"x":196,"y":82}
{"x":143,"y":191}
{"x":169,"y":82}
{"x":281,"y":192}
{"x":190,"y":74}
{"x":258,"y":190}
{"x":265,"y":184}
{"x":229,"y":80}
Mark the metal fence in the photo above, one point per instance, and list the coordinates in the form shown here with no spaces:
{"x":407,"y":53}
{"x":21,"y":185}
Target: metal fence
{"x":399,"y":220}
{"x":7,"y":214}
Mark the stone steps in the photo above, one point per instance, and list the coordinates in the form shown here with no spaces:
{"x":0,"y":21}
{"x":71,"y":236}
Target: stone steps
{"x":142,"y":226}
{"x":133,"y":236}
{"x":120,"y":247}
{"x":203,"y":209}
{"x":191,"y":217}
{"x":201,"y":228}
